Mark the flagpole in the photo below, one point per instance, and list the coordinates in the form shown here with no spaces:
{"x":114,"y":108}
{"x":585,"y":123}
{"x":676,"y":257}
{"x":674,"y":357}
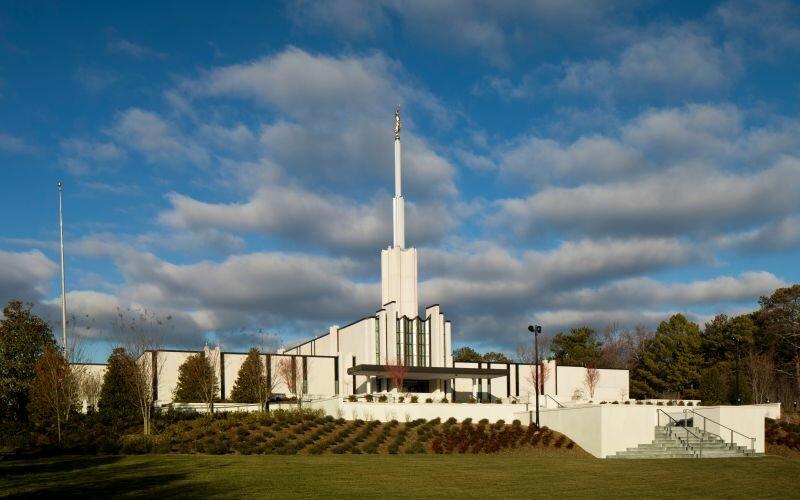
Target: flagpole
{"x":63,"y":286}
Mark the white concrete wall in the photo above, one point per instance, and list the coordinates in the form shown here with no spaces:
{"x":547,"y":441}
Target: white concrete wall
{"x":613,"y":385}
{"x":746,"y":420}
{"x":603,"y":430}
{"x":386,"y":412}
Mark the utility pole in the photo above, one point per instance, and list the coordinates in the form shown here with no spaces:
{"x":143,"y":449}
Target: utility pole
{"x":63,"y":285}
{"x":536,"y":330}
{"x":738,"y":372}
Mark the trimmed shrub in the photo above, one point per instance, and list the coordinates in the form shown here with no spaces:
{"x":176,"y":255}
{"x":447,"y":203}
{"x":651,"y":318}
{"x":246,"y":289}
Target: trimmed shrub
{"x":429,"y":400}
{"x":444,"y":400}
{"x":138,"y":444}
{"x":414,"y":399}
{"x":382,"y":398}
{"x":351,"y":398}
{"x":368,"y":398}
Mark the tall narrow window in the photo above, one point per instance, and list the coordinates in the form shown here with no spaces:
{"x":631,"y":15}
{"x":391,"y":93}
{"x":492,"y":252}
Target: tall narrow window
{"x":378,"y":339}
{"x":422,"y":343}
{"x":399,"y":352}
{"x":409,"y":331}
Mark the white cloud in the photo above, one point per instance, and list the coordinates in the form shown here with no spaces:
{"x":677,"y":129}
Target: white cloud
{"x":494,"y":34}
{"x":25,"y":275}
{"x":778,"y":235}
{"x":645,"y":293}
{"x":330,"y":222}
{"x":158,"y":140}
{"x":678,"y":201}
{"x":589,"y":157}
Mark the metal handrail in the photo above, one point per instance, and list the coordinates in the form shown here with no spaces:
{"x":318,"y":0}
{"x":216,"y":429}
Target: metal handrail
{"x":752,"y":439}
{"x":555,"y":400}
{"x":686,"y":428}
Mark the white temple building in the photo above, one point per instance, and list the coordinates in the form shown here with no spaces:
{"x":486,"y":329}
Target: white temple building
{"x":347,"y":371}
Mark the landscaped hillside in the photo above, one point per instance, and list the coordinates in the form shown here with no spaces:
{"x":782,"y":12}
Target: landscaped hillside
{"x":289,"y":433}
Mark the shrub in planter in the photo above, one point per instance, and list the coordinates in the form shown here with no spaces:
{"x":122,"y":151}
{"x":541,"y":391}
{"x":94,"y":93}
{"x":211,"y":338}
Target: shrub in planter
{"x":472,"y":400}
{"x":429,"y":400}
{"x":649,"y":403}
{"x":690,"y":403}
{"x":414,"y":399}
{"x":670,"y":403}
{"x":368,"y":397}
{"x":639,"y":403}
{"x":401,"y":399}
{"x":382,"y":398}
{"x":627,"y":402}
{"x":681,"y":403}
{"x":660,"y":403}
{"x":603,"y":402}
{"x":615,"y":403}
{"x":351,"y":398}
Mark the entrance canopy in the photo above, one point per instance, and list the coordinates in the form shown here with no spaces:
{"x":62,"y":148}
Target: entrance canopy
{"x":429,"y":372}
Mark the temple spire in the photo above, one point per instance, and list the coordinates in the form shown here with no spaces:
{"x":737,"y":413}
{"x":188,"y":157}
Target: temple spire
{"x":398,"y":208}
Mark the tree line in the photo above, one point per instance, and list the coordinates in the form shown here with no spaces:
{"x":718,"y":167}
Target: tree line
{"x":42,"y":394}
{"x":749,"y":358}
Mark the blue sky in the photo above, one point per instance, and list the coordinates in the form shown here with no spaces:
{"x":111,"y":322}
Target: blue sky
{"x":566,"y":163}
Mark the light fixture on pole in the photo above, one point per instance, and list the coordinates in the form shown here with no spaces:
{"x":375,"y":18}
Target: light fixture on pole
{"x":63,"y":286}
{"x":536,"y":330}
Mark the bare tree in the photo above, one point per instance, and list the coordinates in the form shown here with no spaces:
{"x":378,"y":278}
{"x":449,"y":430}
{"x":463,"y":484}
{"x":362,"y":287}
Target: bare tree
{"x":143,"y":364}
{"x":55,"y":390}
{"x":90,"y":385}
{"x":291,"y":373}
{"x":209,"y":383}
{"x":760,"y":373}
{"x":591,"y":379}
{"x":397,"y":373}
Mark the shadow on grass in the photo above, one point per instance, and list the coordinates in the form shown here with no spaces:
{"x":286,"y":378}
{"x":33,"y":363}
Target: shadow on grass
{"x":16,"y":467}
{"x":101,"y":476}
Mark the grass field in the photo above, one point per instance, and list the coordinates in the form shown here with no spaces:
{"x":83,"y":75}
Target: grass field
{"x":381,"y":476}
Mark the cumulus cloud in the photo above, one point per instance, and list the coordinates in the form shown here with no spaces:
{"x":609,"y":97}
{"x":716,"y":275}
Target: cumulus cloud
{"x":680,"y":201}
{"x":490,"y":278}
{"x":25,"y":275}
{"x":468,"y":26}
{"x":334,"y":119}
{"x":647,"y":293}
{"x":306,"y":217}
{"x":156,"y":139}
{"x":82,"y":156}
{"x":664,"y":63}
{"x":778,"y":235}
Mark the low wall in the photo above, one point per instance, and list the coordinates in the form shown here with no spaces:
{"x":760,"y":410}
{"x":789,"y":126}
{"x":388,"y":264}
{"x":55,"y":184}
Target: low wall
{"x":402,"y":412}
{"x":747,"y":421}
{"x":603,"y":430}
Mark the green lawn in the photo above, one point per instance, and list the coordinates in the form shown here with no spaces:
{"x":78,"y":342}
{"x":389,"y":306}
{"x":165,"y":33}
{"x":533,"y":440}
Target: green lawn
{"x":379,"y":476}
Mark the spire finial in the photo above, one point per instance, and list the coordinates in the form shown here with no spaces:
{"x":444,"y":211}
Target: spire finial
{"x":397,"y":123}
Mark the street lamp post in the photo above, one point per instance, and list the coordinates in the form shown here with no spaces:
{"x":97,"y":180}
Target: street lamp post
{"x":738,"y":373}
{"x":536,"y":330}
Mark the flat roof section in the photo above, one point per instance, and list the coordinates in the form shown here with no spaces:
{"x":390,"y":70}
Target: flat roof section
{"x":429,"y":372}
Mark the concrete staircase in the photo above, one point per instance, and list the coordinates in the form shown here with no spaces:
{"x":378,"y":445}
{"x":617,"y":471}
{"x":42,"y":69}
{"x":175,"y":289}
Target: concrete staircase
{"x":671,"y":442}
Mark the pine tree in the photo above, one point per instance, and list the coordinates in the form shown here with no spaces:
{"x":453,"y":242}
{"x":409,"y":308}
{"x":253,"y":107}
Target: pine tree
{"x":671,"y":361}
{"x":579,"y":347}
{"x":117,"y":403}
{"x":197,"y":381}
{"x":24,"y":337}
{"x":251,"y":382}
